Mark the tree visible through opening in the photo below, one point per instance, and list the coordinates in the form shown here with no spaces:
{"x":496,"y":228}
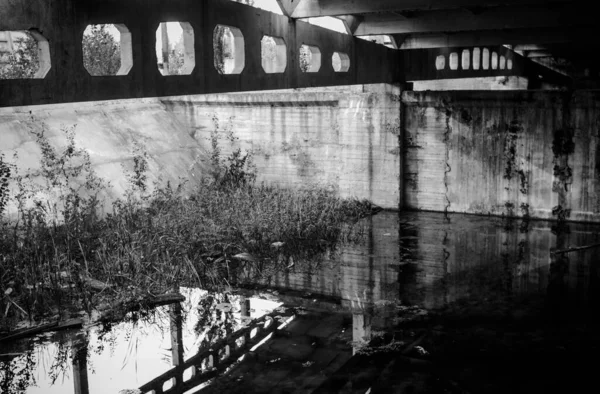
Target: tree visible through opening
{"x":101,"y":50}
{"x":19,"y":55}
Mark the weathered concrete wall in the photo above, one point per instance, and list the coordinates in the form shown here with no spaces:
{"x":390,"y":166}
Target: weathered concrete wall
{"x":108,"y":131}
{"x":503,"y":153}
{"x":346,"y":140}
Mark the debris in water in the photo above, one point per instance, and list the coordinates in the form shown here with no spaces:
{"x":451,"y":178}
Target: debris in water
{"x":245,"y":257}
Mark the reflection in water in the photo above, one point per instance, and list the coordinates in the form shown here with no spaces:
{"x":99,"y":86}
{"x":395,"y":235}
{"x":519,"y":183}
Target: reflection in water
{"x":110,"y":358}
{"x":457,"y":264}
{"x":418,"y":262}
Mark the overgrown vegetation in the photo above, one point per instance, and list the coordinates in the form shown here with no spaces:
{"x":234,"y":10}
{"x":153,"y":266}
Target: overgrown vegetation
{"x":60,"y":255}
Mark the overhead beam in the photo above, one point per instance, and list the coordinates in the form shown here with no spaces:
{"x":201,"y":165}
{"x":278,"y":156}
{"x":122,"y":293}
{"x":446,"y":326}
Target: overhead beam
{"x":447,"y":63}
{"x":501,"y":18}
{"x":316,"y":8}
{"x":530,"y":47}
{"x":63,"y":22}
{"x":351,"y":23}
{"x":536,"y":54}
{"x":491,"y":37}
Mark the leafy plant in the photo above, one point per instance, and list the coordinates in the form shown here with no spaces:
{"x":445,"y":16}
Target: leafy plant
{"x":235,"y":170}
{"x":4,"y":178}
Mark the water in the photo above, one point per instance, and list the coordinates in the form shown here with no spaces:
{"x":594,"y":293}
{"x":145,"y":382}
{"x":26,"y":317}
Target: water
{"x":124,"y":355}
{"x":477,"y":288}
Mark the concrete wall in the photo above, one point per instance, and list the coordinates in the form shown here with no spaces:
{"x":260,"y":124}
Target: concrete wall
{"x":503,"y":153}
{"x":346,"y":140}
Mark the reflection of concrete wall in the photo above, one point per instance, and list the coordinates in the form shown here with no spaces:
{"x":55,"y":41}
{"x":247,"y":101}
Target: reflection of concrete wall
{"x":345,"y":139}
{"x":474,"y":259}
{"x":363,"y":276}
{"x":503,"y":153}
{"x":463,"y":260}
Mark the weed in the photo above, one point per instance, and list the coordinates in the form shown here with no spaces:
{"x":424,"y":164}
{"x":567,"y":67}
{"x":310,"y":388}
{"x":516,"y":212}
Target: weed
{"x":235,"y":170}
{"x":5,"y":171}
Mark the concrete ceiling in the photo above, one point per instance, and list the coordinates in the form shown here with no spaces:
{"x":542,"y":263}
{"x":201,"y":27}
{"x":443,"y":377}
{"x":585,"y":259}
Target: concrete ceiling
{"x":558,"y":33}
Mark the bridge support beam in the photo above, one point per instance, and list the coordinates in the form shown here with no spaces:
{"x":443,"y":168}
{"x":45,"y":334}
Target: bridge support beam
{"x":62,"y":23}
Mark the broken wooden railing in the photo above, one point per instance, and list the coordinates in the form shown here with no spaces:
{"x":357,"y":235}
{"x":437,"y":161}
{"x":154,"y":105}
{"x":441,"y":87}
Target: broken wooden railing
{"x":208,"y":363}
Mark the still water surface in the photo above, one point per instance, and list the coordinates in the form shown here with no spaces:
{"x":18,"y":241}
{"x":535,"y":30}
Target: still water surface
{"x":458,"y":268}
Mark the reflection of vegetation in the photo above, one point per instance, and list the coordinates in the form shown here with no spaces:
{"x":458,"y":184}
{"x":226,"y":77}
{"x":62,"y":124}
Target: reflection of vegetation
{"x":16,"y":375}
{"x":24,"y":62}
{"x":216,"y":319}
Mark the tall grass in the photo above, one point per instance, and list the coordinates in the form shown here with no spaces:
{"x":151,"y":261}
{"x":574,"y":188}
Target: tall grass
{"x":150,"y":242}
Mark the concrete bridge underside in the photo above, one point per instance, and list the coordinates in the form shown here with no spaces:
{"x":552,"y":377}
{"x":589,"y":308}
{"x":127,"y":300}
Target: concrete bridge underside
{"x":59,"y":25}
